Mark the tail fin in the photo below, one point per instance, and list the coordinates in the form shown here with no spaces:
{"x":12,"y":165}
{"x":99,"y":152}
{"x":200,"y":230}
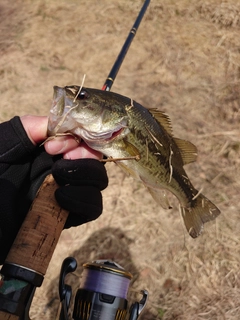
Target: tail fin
{"x":201,"y":211}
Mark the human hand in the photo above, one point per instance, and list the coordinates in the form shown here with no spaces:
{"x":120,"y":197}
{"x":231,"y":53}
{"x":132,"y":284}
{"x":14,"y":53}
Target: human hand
{"x":36,"y":129}
{"x":80,"y":180}
{"x":24,"y":165}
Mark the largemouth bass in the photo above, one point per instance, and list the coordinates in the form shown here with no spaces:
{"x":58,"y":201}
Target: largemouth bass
{"x":142,"y":138}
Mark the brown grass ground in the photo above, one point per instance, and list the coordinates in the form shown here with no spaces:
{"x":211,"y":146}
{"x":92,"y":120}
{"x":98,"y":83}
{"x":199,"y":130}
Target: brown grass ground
{"x":185,"y":60}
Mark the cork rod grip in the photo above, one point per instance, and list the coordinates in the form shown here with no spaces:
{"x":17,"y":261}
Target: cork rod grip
{"x":38,"y":236}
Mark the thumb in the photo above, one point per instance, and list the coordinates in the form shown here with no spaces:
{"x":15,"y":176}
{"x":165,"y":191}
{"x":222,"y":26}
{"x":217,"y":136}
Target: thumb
{"x":35,"y":127}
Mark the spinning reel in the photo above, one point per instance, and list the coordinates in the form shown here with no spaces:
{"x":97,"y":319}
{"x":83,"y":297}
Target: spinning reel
{"x":102,"y":294}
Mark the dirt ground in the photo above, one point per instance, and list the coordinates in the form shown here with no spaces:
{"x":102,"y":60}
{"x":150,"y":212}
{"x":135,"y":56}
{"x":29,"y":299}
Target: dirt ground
{"x":185,"y":60}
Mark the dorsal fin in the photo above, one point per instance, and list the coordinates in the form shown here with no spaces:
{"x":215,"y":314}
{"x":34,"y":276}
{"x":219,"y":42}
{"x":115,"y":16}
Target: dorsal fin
{"x":162,"y":118}
{"x":187,"y":149}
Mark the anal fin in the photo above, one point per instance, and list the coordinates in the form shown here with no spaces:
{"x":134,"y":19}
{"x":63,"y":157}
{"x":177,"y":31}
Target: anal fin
{"x":160,"y":197}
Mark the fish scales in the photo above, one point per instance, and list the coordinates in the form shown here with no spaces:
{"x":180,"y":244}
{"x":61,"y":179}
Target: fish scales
{"x":156,"y":159}
{"x":122,"y":128}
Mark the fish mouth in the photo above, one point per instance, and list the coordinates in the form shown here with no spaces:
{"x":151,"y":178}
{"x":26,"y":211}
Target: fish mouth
{"x":115,"y":134}
{"x":101,"y":138}
{"x":58,"y":115}
{"x":95,"y":132}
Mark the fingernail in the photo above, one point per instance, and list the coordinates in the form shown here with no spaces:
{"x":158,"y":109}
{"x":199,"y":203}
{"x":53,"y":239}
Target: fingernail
{"x":55,"y":146}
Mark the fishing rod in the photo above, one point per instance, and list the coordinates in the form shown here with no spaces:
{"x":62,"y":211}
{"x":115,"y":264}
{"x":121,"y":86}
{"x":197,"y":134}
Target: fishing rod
{"x":28,"y":259}
{"x":107,"y":271}
{"x":116,"y":66}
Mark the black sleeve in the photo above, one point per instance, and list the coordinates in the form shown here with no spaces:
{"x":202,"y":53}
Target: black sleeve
{"x":15,"y":146}
{"x":20,"y":160}
{"x":23,"y":167}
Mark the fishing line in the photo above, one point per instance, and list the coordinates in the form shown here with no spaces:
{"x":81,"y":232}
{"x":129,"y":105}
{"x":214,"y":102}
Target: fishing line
{"x":107,"y":279}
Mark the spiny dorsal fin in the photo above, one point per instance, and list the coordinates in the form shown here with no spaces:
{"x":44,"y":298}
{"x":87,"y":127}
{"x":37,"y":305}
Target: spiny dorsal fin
{"x":163,"y":119}
{"x":187,"y":149}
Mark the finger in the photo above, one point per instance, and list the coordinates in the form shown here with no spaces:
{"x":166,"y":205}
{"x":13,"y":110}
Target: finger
{"x":35,"y":127}
{"x":84,"y":203}
{"x":82,"y":151}
{"x":80,"y":172}
{"x":60,"y":145}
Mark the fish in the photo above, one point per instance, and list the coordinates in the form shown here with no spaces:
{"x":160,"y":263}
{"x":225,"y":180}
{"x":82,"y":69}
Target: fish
{"x":140,"y":140}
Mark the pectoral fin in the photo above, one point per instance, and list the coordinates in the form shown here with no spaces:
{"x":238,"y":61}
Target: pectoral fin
{"x":131,"y":149}
{"x":129,"y":153}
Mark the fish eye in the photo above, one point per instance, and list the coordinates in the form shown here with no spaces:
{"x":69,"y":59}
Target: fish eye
{"x":83,"y":95}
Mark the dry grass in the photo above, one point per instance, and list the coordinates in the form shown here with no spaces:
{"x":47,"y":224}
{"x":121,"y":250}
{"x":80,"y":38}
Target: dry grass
{"x":184,"y":60}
